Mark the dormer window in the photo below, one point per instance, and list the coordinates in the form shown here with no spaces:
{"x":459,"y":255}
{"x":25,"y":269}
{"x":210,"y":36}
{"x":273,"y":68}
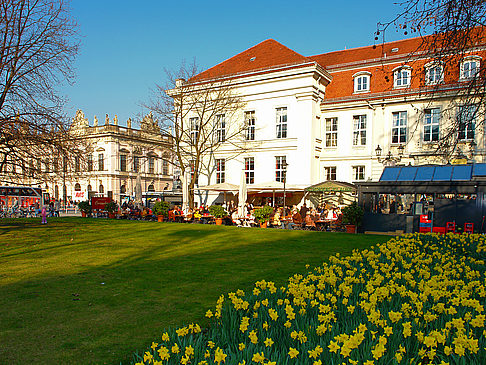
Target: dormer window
{"x":470,"y":67}
{"x":362,"y":81}
{"x":402,"y":76}
{"x":434,"y":74}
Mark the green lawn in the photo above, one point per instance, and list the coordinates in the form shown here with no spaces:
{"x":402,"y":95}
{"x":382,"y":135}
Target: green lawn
{"x":87,"y":291}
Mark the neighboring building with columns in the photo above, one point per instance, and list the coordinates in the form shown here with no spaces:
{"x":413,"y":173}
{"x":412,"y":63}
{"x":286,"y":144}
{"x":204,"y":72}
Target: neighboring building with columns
{"x":116,"y":155}
{"x":328,"y":116}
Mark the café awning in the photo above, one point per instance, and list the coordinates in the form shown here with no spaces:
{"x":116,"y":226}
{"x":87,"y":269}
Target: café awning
{"x":332,"y":187}
{"x":220,"y":187}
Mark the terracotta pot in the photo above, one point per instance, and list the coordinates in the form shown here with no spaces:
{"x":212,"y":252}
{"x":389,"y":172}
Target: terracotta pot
{"x":219,"y":221}
{"x":160,"y":218}
{"x":111,"y":215}
{"x":263,"y":225}
{"x":83,"y":214}
{"x":350,"y":228}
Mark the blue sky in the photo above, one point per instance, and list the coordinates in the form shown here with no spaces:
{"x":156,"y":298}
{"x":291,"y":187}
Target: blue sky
{"x":127,"y":44}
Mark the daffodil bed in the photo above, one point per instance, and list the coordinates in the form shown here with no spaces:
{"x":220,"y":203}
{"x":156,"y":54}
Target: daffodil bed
{"x":417,"y":299}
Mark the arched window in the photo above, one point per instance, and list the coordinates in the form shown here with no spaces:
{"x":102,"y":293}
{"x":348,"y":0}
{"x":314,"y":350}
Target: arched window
{"x":151,"y":187}
{"x":56,"y":192}
{"x":90,"y":188}
{"x":434,"y":73}
{"x":77,"y":187}
{"x":123,"y":189}
{"x":470,"y":67}
{"x":101,"y":190}
{"x":362,"y":81}
{"x":402,"y":76}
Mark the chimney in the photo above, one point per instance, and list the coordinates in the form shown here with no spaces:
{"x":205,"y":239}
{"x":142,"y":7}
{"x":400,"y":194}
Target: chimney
{"x":180,"y":82}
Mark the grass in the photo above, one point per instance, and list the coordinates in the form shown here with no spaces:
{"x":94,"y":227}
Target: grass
{"x":87,"y":291}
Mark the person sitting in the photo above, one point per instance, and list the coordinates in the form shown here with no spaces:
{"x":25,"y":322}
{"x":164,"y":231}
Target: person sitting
{"x":197,"y":215}
{"x":276,"y":218}
{"x":309,"y":222}
{"x":296,"y":220}
{"x":189,"y":216}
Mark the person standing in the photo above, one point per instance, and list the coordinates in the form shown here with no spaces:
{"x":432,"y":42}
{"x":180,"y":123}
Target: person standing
{"x":44,"y":214}
{"x":57,"y":207}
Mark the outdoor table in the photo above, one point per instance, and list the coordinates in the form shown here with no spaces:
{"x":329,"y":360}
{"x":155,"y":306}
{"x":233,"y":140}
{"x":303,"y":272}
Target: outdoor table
{"x":323,"y":224}
{"x":285,"y":222}
{"x":206,"y":219}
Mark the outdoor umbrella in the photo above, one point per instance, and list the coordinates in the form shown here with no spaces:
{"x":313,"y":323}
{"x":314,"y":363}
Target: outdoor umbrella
{"x":242,"y":195}
{"x":138,"y":190}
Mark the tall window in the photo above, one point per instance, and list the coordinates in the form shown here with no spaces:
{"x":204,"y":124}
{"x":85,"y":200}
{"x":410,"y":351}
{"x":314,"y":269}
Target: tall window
{"x":465,"y":119}
{"x":123,"y":162}
{"x":434,"y":74}
{"x":362,"y":82}
{"x":358,"y":173}
{"x":101,"y":162}
{"x":101,"y":189}
{"x":331,"y":132}
{"x":220,"y":171}
{"x":194,"y":131}
{"x":401,"y":77}
{"x":151,"y":165}
{"x":399,"y":127}
{"x":330,"y":173}
{"x":165,"y":167}
{"x":250,"y":170}
{"x":250,"y":125}
{"x":280,"y":161}
{"x":431,"y":125}
{"x":220,"y":128}
{"x":281,"y":122}
{"x":359,"y":130}
{"x":90,"y":162}
{"x":77,"y":164}
{"x":136,"y":163}
{"x":469,"y":68}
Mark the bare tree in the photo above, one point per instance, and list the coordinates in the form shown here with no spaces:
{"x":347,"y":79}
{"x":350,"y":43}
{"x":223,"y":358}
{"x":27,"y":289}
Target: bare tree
{"x":38,"y":44}
{"x":203,"y":118}
{"x":451,"y":31}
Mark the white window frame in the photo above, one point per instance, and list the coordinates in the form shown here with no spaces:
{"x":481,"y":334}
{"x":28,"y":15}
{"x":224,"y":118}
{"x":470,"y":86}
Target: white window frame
{"x":281,"y":122}
{"x":359,"y":130}
{"x":279,"y":170}
{"x":250,"y":125}
{"x":220,"y":128}
{"x":151,"y":165}
{"x":434,"y":73}
{"x":220,"y":170}
{"x":194,"y":129}
{"x":123,"y":163}
{"x":136,"y":163}
{"x":101,"y":162}
{"x":359,"y":172}
{"x":250,"y":170}
{"x":467,"y":128}
{"x":330,"y":173}
{"x":362,"y":81}
{"x":399,"y":127}
{"x":401,"y":73}
{"x":466,"y":73}
{"x":431,"y":122}
{"x":331,"y":136}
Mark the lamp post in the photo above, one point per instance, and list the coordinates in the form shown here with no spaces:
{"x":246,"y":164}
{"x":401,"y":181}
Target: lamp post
{"x":389,"y":159}
{"x":284,"y":168}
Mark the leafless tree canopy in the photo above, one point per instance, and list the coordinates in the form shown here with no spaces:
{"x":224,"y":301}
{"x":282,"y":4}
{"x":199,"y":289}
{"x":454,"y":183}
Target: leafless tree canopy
{"x":450,"y":30}
{"x":201,"y":117}
{"x":38,"y":44}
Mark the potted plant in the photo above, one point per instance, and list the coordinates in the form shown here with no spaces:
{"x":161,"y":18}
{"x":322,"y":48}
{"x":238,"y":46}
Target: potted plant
{"x":85,"y":208}
{"x":111,"y":208}
{"x":352,"y":217}
{"x":161,"y":210}
{"x":263,"y":215}
{"x":218,"y":212}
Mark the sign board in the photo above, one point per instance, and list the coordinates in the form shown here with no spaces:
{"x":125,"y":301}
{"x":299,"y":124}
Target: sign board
{"x":80,"y":196}
{"x":99,"y":202}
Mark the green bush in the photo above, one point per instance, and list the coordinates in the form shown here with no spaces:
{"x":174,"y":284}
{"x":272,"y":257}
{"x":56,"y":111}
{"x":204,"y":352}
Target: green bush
{"x":161,"y":208}
{"x":263,"y":214}
{"x":85,"y":207}
{"x":218,"y":211}
{"x":353,"y":214}
{"x":111,"y":207}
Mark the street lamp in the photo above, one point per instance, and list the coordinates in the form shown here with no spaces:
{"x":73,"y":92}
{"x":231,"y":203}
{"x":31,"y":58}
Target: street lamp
{"x":284,"y":168}
{"x":389,"y":158}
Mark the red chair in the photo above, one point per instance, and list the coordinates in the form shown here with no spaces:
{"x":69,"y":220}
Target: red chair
{"x":468,"y":227}
{"x":451,"y":227}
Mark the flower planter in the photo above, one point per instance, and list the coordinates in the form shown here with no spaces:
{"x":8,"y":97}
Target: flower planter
{"x":160,"y":218}
{"x":83,"y":214}
{"x":111,"y":215}
{"x":350,"y":228}
{"x":263,"y":225}
{"x":219,"y":221}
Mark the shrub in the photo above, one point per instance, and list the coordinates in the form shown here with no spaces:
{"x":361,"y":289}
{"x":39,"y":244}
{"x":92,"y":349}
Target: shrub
{"x":353,"y":214}
{"x":85,"y":207}
{"x":161,"y":208}
{"x":111,"y":207}
{"x":218,"y":211}
{"x":263,"y":214}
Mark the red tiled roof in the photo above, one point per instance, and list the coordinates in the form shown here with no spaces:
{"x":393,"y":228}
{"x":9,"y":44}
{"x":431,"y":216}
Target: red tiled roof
{"x":269,"y":53}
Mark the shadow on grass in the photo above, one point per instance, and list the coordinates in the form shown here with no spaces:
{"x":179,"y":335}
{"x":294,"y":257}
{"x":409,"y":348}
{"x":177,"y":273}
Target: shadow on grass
{"x":103,"y":313}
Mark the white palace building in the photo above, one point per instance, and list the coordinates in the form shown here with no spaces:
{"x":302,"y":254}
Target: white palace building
{"x":325,"y":115}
